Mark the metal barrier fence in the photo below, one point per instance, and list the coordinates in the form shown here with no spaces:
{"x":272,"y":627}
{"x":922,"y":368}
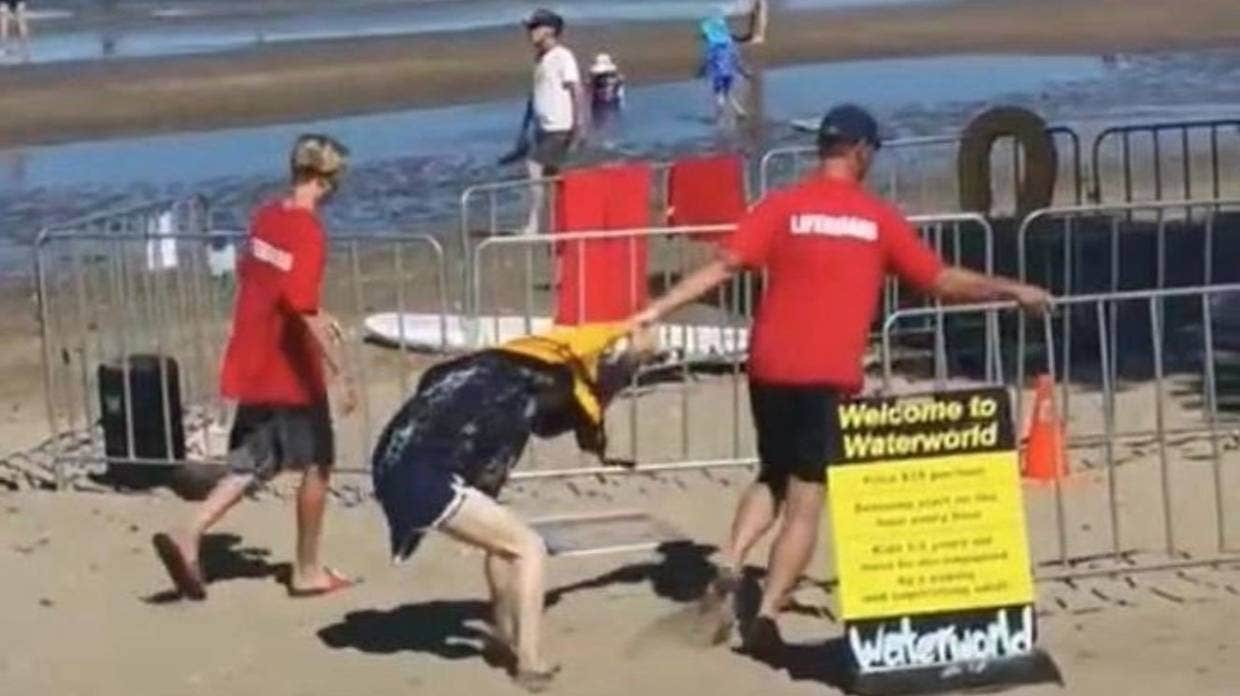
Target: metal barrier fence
{"x":105,"y":296}
{"x":1109,"y":247}
{"x":524,"y":206}
{"x":920,"y":173}
{"x":111,"y":292}
{"x":522,"y":284}
{"x":1173,"y":159}
{"x":514,"y":287}
{"x":1157,"y":425}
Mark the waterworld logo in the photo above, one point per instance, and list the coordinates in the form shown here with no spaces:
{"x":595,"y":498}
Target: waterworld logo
{"x":942,"y":644}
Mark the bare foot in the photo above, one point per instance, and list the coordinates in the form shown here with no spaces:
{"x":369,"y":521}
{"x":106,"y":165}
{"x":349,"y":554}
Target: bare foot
{"x":536,"y":681}
{"x":716,"y":603}
{"x":319,"y":582}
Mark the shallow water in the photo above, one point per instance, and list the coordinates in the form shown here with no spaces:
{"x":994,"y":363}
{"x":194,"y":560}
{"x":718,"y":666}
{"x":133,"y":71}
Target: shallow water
{"x":658,"y":117}
{"x":411,"y":166}
{"x":182,"y":28}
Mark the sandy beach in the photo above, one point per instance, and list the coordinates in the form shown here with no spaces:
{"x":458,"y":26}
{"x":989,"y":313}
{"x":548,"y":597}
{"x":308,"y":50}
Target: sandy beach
{"x":302,"y":80}
{"x":1138,"y":577}
{"x":96,"y":618}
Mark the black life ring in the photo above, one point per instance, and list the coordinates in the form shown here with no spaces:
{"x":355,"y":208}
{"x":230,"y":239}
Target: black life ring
{"x":1037,"y":188}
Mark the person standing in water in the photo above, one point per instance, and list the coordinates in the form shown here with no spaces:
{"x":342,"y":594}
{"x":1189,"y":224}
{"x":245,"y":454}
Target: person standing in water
{"x":13,"y":14}
{"x":721,"y":62}
{"x":607,"y":101}
{"x":606,"y":87}
{"x":758,"y":16}
{"x":555,"y":107}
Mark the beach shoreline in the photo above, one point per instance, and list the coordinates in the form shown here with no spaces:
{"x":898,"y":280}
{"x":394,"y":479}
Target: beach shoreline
{"x":315,"y":79}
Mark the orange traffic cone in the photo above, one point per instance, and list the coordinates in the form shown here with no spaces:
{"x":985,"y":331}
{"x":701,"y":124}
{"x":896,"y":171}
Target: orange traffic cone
{"x":1044,"y":447}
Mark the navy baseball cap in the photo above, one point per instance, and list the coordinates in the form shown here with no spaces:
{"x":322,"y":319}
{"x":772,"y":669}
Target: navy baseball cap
{"x":849,"y":123}
{"x":543,"y":17}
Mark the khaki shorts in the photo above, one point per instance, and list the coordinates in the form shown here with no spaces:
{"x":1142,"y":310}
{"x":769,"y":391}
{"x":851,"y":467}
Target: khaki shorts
{"x":551,"y":150}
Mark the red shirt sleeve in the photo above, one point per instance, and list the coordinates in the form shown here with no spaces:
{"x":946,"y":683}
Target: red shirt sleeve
{"x":750,"y":245}
{"x":304,"y":282}
{"x":907,"y":256}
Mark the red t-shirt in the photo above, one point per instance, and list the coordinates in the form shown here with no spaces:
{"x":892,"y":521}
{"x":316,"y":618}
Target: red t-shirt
{"x":827,"y":246}
{"x":272,"y":358}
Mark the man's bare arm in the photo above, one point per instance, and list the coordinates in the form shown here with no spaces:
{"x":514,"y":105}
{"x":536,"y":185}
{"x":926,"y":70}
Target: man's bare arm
{"x":957,"y":284}
{"x":327,"y":333}
{"x":687,"y":290}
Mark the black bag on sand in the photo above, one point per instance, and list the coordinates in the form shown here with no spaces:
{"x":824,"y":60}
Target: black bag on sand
{"x":154,"y":385}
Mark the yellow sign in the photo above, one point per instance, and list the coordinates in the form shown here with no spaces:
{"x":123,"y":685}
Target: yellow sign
{"x":926,"y":535}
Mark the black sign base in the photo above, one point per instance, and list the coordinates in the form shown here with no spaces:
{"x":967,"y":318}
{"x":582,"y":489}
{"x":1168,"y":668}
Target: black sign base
{"x":1034,"y":668}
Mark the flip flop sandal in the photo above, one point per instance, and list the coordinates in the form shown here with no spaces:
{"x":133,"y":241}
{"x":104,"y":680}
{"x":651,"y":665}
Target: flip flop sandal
{"x":534,"y":681}
{"x":336,"y":582}
{"x":186,"y":575}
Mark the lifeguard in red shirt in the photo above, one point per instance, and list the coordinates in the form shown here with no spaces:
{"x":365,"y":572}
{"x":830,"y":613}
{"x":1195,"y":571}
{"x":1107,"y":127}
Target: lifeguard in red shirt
{"x":281,"y":349}
{"x":827,"y":245}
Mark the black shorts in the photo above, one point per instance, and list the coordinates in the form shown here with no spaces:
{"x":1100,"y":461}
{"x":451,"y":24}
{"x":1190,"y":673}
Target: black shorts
{"x":551,"y":150}
{"x":266,"y":440}
{"x":12,"y":4}
{"x":460,"y":435}
{"x":796,"y":427}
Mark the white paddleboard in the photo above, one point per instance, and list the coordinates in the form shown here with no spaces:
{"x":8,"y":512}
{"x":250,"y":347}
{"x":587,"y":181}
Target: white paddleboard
{"x":804,"y":125}
{"x":454,"y":333}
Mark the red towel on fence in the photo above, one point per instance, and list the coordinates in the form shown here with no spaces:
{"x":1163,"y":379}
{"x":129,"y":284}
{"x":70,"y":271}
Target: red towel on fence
{"x":602,"y":279}
{"x":706,"y":190}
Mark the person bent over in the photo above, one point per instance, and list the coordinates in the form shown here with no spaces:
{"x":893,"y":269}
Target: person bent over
{"x":445,"y":455}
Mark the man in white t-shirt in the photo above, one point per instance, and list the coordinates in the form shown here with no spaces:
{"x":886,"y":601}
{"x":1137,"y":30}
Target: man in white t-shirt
{"x":555,"y":102}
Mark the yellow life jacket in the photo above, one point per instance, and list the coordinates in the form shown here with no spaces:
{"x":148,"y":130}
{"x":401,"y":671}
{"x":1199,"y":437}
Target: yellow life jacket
{"x":577,"y":347}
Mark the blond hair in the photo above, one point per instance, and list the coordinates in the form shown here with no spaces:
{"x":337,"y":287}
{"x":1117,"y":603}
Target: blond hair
{"x":317,"y":156}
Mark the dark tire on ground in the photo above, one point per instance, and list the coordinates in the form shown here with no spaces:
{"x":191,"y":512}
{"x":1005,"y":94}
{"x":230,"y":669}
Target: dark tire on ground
{"x":973,"y":164}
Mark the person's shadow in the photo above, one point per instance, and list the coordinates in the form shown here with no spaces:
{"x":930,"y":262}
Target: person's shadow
{"x":443,"y":627}
{"x":223,"y":558}
{"x":826,"y":662}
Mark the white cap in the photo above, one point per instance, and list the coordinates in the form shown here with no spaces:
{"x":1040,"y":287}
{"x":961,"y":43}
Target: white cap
{"x":603,"y":64}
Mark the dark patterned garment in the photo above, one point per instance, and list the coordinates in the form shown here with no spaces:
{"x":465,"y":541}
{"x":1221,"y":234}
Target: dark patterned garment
{"x":471,"y":417}
{"x":466,"y":427}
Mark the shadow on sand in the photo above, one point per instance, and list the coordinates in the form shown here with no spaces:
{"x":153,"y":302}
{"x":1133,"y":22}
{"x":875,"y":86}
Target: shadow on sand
{"x":456,"y":629}
{"x":825,"y":662}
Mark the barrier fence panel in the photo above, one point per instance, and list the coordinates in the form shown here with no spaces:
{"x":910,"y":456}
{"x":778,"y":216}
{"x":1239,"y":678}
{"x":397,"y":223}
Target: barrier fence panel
{"x":668,"y":418}
{"x":967,"y":240}
{"x":524,"y":206}
{"x":920,"y":174}
{"x":1166,"y":161}
{"x":518,"y":283}
{"x":1153,"y":453}
{"x":110,"y":292}
{"x":1129,"y":246}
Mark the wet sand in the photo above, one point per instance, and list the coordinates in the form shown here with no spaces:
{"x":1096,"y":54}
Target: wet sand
{"x":312,"y":79}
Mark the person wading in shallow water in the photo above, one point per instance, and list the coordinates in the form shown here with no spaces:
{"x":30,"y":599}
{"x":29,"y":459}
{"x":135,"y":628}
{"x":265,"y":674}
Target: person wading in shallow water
{"x":555,"y":107}
{"x":13,"y":16}
{"x":281,"y":344}
{"x":827,"y":245}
